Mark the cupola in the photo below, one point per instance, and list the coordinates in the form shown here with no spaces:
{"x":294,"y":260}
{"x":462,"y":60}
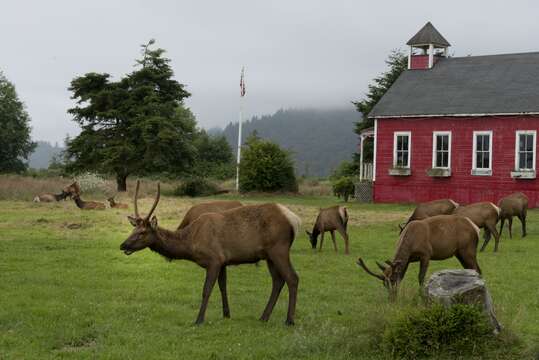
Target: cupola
{"x":426,"y":48}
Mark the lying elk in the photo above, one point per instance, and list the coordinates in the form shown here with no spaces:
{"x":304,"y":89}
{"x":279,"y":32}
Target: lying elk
{"x":435,"y":238}
{"x":215,"y":206}
{"x":115,"y":205}
{"x":513,"y":205}
{"x":485,"y":215}
{"x":330,"y":219}
{"x":88,"y":205}
{"x":51,"y":197}
{"x":431,"y":208}
{"x":242,"y":235}
{"x":73,"y":189}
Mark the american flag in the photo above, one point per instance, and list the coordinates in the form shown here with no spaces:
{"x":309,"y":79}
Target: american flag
{"x":242,"y":84}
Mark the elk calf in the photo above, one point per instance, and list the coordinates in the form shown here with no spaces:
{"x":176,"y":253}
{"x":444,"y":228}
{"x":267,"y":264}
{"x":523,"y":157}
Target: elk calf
{"x":513,"y":205}
{"x":431,"y":208}
{"x":241,"y":235}
{"x":88,"y":205}
{"x":215,"y":206}
{"x":113,"y":204}
{"x":485,"y":215}
{"x":435,"y":238}
{"x":330,"y":219}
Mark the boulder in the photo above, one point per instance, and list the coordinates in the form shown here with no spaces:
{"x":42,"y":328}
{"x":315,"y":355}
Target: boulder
{"x":462,"y":286}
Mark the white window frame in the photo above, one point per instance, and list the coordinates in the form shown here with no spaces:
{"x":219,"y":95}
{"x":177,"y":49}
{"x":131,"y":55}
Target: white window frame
{"x":517,"y":136}
{"x":482,"y":171}
{"x":434,"y":134}
{"x":409,"y":135}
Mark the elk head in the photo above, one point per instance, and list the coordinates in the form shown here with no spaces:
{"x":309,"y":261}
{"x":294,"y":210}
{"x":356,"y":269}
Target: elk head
{"x":144,"y":233}
{"x":72,"y":190}
{"x":391,"y":274}
{"x":313,"y":239}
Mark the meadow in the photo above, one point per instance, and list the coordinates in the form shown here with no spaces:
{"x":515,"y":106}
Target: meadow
{"x":67,"y":291}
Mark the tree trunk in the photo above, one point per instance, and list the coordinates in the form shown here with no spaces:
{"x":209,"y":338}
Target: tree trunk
{"x":121,"y":182}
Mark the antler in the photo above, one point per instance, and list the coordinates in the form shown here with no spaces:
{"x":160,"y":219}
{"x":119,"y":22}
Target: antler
{"x":155,"y":202}
{"x":362,"y":264}
{"x":381,"y":266}
{"x":136,"y":198}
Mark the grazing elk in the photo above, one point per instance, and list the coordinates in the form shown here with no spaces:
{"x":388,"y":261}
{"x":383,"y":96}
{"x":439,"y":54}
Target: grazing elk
{"x":431,"y":208}
{"x":215,"y":206}
{"x":115,"y":205}
{"x":485,"y":215}
{"x":513,"y":205}
{"x":435,"y":238}
{"x":330,"y":219}
{"x":51,"y":197}
{"x":88,"y":205}
{"x":241,"y":235}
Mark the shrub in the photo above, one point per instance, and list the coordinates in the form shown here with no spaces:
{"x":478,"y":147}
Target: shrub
{"x":196,"y":187}
{"x":345,"y":169}
{"x":266,"y":167}
{"x":344,"y":188}
{"x":458,"y":331}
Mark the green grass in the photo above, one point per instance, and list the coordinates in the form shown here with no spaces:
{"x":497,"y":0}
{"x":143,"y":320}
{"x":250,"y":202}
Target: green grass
{"x":72,"y":294}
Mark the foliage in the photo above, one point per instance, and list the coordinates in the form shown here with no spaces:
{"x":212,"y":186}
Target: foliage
{"x":266,"y":167}
{"x":196,"y":187}
{"x":397,"y":62}
{"x":214,"y":157}
{"x":345,"y":169}
{"x":343,"y":187}
{"x":15,"y":142}
{"x":137,"y":125}
{"x":90,"y":182}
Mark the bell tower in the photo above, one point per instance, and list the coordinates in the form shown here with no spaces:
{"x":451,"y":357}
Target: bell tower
{"x":426,"y":48}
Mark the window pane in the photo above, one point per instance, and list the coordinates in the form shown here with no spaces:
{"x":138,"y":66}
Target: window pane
{"x":438,"y":159}
{"x":478,"y":160}
{"x":479,"y":142}
{"x":521,"y":142}
{"x":405,"y":142}
{"x":529,"y":161}
{"x":529,"y":142}
{"x":445,"y":160}
{"x":438,"y":143}
{"x":445,"y":142}
{"x":405,"y":158}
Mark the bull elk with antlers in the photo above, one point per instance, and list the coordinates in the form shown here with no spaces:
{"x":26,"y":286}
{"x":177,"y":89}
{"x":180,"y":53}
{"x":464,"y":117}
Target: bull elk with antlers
{"x":242,"y":235}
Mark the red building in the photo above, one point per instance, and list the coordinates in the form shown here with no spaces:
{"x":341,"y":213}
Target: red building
{"x":463,"y":128}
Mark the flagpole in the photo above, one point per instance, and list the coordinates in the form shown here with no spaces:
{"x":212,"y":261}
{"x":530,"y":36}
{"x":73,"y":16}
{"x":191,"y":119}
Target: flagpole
{"x":239,"y":131}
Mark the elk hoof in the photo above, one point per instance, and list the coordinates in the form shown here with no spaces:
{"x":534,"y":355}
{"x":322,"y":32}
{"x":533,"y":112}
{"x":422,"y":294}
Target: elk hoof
{"x":199,"y":322}
{"x":289,"y":322}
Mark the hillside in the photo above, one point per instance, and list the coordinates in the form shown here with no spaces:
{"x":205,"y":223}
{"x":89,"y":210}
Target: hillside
{"x":43,"y":154}
{"x":318,"y":139}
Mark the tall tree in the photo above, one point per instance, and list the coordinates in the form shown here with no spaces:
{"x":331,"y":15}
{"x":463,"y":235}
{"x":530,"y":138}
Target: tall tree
{"x":397,"y":62}
{"x":137,"y":125}
{"x":15,"y":142}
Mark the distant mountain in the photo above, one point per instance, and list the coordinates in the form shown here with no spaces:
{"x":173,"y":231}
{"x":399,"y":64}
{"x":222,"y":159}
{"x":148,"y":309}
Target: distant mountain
{"x":318,"y":139}
{"x":43,"y":154}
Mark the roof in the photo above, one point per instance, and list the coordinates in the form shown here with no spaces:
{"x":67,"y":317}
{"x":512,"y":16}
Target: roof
{"x":473,"y":85}
{"x":428,"y":35}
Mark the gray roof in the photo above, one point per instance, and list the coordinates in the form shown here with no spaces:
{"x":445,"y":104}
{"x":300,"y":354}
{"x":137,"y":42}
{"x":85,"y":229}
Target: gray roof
{"x":473,"y":85}
{"x":428,"y":35}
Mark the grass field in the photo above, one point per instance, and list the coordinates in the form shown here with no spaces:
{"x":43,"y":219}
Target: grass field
{"x":71,"y":293}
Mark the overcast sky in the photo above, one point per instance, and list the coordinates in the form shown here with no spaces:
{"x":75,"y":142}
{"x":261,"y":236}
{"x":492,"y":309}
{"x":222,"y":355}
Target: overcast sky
{"x":297,"y":53}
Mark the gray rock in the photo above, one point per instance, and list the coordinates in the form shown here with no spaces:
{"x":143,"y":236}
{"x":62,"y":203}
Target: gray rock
{"x":461,"y":286}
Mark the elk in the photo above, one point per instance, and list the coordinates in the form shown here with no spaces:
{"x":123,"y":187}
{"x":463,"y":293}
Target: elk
{"x":215,"y":206}
{"x":50,"y":197}
{"x":431,"y":208}
{"x":88,"y":205}
{"x":113,"y":204}
{"x":330,"y":219}
{"x":485,"y":215}
{"x":237,"y":236}
{"x":513,"y":205}
{"x":72,"y":189}
{"x":435,"y":238}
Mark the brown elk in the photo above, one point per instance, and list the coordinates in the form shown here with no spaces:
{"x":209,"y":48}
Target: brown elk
{"x":431,"y":208}
{"x":214,"y":206}
{"x":241,"y":235}
{"x":115,"y":205}
{"x":73,"y":189}
{"x":88,"y":205}
{"x":435,"y":238}
{"x":330,"y":219}
{"x":485,"y":215}
{"x":515,"y":204}
{"x":50,"y":197}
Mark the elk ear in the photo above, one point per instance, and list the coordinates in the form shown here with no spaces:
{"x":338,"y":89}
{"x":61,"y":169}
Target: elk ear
{"x":132,"y":220}
{"x":153,"y":223}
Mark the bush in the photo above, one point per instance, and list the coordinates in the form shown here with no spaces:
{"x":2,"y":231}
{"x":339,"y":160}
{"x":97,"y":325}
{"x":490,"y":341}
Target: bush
{"x":266,"y":167}
{"x":458,"y":331}
{"x":345,"y":169}
{"x":343,"y":188}
{"x":196,"y":187}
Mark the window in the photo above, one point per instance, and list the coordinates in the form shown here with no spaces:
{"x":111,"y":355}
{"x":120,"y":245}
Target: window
{"x":525,"y":149}
{"x":401,"y":149}
{"x":482,"y":153}
{"x":441,"y":149}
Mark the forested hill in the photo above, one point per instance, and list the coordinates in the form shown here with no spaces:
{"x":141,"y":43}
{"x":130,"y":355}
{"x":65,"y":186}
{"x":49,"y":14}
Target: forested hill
{"x":43,"y":154}
{"x":318,"y":139}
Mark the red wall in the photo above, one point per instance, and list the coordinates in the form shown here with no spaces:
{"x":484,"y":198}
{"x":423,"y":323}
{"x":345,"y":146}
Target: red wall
{"x":421,"y":61}
{"x":461,"y":186}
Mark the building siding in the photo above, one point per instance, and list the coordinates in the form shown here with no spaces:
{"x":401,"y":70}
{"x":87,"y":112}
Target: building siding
{"x":461,"y":186}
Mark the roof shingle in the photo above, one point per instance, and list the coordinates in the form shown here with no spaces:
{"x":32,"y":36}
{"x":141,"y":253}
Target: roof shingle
{"x":428,"y":35}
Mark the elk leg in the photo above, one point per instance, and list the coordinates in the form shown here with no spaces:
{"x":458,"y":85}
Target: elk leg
{"x":333,"y":238}
{"x":277,"y":286}
{"x":487,"y":239}
{"x":423,"y":266}
{"x":321,"y":240}
{"x":492,"y":229}
{"x":282,"y":262}
{"x":211,"y":276}
{"x":523,"y":221}
{"x":471,"y":264}
{"x":502,"y":221}
{"x":510,"y":227}
{"x":344,"y":234}
{"x":222,"y":287}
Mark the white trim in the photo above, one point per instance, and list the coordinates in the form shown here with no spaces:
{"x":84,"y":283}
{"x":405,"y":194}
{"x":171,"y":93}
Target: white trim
{"x":409,"y":135}
{"x":374,"y":152}
{"x":453,"y":115}
{"x":482,"y":171}
{"x":431,"y":56}
{"x":525,"y":132}
{"x":434,"y":134}
{"x":410,"y":58}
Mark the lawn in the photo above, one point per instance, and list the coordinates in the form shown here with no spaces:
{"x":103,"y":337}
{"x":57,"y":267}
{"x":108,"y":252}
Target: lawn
{"x":67,"y":291}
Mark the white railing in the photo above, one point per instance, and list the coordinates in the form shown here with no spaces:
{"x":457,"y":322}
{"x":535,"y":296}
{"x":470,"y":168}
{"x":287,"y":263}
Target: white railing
{"x":365,"y":172}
